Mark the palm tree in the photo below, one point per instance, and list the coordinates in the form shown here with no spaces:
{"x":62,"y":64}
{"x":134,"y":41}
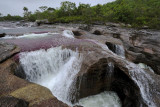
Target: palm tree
{"x":25,"y":9}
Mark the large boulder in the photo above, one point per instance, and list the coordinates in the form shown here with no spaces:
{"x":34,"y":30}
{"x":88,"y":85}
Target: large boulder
{"x":7,"y":51}
{"x":10,"y":101}
{"x":37,"y":96}
{"x":109,"y":72}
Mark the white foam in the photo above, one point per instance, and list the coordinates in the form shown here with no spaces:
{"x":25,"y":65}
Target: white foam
{"x":105,"y":99}
{"x":143,"y":79}
{"x":55,"y":68}
{"x":31,"y":35}
{"x":120,"y":50}
{"x":68,"y":34}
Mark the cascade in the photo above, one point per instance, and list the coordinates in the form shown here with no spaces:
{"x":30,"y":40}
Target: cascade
{"x":119,"y":50}
{"x":139,"y":75}
{"x":54,"y":68}
{"x":143,"y":79}
{"x":68,"y":34}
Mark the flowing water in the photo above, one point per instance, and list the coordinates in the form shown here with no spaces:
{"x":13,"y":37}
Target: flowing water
{"x":119,"y":50}
{"x":144,"y":80}
{"x":105,"y":99}
{"x":30,"y":35}
{"x":68,"y":34}
{"x":137,"y":72}
{"x":54,"y":68}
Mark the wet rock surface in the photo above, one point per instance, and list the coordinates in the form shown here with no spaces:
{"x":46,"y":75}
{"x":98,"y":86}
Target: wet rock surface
{"x":101,"y":69}
{"x":7,"y":50}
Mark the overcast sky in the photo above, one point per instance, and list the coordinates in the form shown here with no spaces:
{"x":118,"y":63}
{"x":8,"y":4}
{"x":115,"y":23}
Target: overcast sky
{"x":15,"y":7}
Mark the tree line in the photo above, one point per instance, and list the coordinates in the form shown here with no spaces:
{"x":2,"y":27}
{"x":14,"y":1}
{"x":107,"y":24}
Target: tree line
{"x":137,"y":13}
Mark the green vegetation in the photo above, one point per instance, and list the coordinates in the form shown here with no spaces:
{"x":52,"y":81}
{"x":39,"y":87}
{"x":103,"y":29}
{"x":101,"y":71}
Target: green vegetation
{"x":10,"y":18}
{"x":137,"y":13}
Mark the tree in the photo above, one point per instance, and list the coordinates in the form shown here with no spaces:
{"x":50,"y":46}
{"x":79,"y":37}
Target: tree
{"x":43,"y":8}
{"x":26,"y":13}
{"x":0,"y":14}
{"x":50,"y":9}
{"x":81,"y":8}
{"x":67,"y":8}
{"x":25,"y":9}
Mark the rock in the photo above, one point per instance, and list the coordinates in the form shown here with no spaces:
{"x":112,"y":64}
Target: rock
{"x":10,"y":85}
{"x":39,"y":22}
{"x":2,"y":35}
{"x":7,"y":50}
{"x":37,"y":96}
{"x":97,"y":32}
{"x":128,"y":25}
{"x":112,"y":24}
{"x":145,"y":27}
{"x":116,"y":35}
{"x":111,"y":46}
{"x":101,"y":70}
{"x":9,"y":101}
{"x":143,"y":47}
{"x":85,"y":27}
{"x":77,"y":33}
{"x":98,"y":23}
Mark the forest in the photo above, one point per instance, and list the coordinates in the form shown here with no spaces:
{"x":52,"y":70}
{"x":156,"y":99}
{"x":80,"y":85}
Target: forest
{"x":137,"y":13}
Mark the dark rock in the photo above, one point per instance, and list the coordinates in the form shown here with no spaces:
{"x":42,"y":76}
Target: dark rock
{"x":77,"y":33}
{"x":2,"y":35}
{"x":97,"y":32}
{"x":12,"y":102}
{"x":116,"y":35}
{"x":111,"y":46}
{"x":85,"y":27}
{"x":39,"y":22}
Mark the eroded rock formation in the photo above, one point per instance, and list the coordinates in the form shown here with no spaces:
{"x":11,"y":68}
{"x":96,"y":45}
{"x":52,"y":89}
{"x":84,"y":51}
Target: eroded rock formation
{"x":101,"y":69}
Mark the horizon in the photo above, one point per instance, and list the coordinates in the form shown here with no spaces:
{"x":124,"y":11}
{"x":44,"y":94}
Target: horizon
{"x":7,"y":7}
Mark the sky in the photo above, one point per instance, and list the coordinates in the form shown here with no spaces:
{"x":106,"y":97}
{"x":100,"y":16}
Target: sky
{"x":15,"y":7}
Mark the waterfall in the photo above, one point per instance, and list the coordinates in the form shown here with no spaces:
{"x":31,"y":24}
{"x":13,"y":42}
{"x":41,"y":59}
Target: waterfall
{"x":105,"y":99}
{"x":144,"y":80}
{"x":119,"y":50}
{"x":54,"y":68}
{"x":110,"y":71}
{"x":68,"y":34}
{"x":140,"y":76}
